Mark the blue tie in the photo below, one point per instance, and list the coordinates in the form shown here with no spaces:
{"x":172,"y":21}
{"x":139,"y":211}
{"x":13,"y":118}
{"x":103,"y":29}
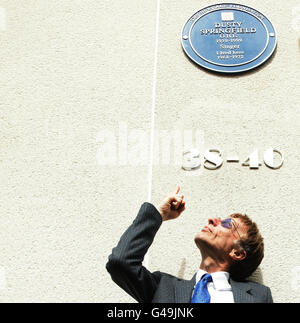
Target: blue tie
{"x":201,"y":294}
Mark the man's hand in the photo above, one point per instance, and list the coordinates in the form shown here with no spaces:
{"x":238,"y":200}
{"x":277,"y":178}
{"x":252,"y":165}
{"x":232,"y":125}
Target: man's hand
{"x":172,"y":205}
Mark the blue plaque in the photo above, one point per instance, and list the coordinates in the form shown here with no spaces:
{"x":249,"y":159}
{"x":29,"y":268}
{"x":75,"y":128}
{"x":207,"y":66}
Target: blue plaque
{"x":228,"y":38}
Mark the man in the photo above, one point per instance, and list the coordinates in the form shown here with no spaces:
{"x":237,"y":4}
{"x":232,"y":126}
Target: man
{"x":231,"y":250}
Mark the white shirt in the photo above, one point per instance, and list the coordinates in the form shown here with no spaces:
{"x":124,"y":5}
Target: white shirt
{"x":219,"y":289}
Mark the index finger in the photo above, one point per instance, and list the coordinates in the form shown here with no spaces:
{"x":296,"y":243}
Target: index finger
{"x":177,"y":189}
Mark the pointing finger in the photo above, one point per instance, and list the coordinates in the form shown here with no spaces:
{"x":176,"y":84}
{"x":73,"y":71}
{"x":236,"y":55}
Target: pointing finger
{"x":177,"y":189}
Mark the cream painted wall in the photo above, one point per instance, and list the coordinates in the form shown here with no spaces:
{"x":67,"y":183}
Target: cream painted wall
{"x":71,"y":69}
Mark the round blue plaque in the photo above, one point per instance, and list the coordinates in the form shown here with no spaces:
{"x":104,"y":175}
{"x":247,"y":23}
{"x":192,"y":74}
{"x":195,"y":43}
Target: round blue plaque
{"x":228,"y":38}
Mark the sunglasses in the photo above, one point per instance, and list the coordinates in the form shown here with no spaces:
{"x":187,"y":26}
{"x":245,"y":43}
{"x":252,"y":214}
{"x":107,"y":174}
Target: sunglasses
{"x":229,"y":224}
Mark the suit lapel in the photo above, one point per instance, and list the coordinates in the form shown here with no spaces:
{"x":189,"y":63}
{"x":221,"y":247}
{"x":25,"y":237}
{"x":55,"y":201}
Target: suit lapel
{"x":241,"y":292}
{"x":184,"y":289}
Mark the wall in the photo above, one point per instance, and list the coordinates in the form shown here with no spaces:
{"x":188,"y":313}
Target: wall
{"x":75,"y":77}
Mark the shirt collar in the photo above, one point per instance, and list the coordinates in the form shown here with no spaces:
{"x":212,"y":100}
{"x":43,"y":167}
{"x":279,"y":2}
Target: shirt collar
{"x":220,"y":279}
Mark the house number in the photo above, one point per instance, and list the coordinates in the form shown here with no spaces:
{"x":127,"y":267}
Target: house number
{"x":213,"y":159}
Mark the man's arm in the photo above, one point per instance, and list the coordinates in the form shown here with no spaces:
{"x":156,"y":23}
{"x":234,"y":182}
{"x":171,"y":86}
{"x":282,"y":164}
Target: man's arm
{"x":125,"y":262}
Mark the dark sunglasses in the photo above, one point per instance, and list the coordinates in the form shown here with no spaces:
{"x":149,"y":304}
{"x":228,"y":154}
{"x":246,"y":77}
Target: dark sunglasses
{"x":228,"y":224}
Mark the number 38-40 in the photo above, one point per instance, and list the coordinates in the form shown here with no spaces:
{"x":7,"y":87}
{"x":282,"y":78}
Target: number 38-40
{"x":213,"y":159}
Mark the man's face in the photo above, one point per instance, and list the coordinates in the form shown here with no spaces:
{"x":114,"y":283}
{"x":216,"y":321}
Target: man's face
{"x":218,"y":238}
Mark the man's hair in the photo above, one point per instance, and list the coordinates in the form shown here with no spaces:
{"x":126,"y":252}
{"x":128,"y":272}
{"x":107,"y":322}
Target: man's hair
{"x":253,"y":244}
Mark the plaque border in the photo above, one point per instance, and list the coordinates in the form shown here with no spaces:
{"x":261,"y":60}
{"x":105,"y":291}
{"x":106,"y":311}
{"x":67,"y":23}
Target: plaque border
{"x":226,"y":7}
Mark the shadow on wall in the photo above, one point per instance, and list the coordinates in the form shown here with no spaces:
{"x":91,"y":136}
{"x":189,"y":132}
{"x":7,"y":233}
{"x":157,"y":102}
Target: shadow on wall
{"x":182,"y":269}
{"x":255,"y":277}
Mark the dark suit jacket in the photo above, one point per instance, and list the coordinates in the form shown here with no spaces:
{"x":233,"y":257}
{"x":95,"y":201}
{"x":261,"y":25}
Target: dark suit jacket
{"x":126,"y":269}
